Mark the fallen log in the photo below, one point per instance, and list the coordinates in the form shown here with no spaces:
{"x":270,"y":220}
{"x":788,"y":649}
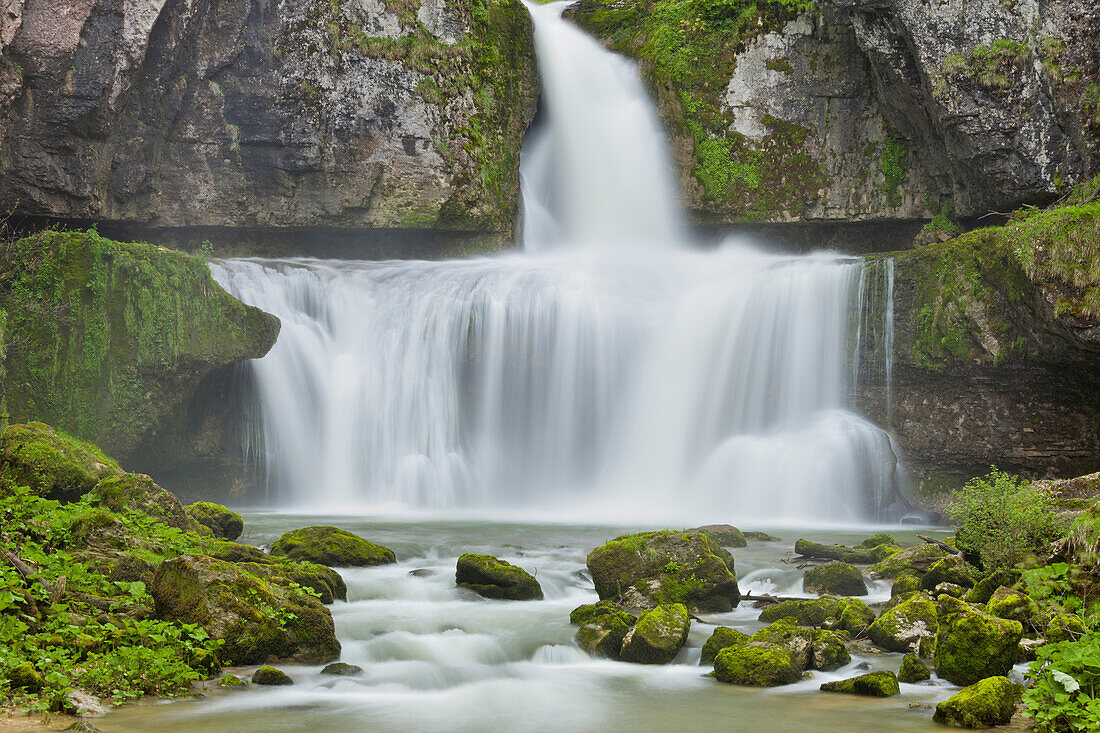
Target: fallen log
{"x":766,"y":598}
{"x":941,"y":545}
{"x":61,"y":590}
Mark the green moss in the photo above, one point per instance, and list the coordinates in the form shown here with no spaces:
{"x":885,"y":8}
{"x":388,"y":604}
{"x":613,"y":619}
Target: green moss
{"x":1064,"y":627}
{"x":232,"y":680}
{"x":835,"y":578}
{"x":904,"y":627}
{"x":990,"y":67}
{"x":108,"y":338}
{"x":54,"y":465}
{"x":983,"y":590}
{"x":828,"y":650}
{"x":894,"y":164}
{"x":948,"y":570}
{"x":903,"y":562}
{"x":225,"y":524}
{"x":495,"y":578}
{"x":658,"y":635}
{"x":787,"y":634}
{"x":872,"y":684}
{"x":846,"y":614}
{"x":1012,"y":604}
{"x":25,"y":677}
{"x":722,"y":638}
{"x":756,"y":664}
{"x":905,"y":585}
{"x":913,"y":670}
{"x":331,"y":546}
{"x":861,"y":555}
{"x":971,"y":644}
{"x":603,"y":628}
{"x":984,"y":704}
{"x":268,"y":675}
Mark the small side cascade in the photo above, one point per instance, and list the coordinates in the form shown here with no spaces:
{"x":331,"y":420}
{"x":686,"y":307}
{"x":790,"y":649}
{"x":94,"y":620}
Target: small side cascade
{"x":873,"y":329}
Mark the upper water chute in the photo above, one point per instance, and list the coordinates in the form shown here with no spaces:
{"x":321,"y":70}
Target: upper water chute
{"x":596,"y":172}
{"x":612,"y":370}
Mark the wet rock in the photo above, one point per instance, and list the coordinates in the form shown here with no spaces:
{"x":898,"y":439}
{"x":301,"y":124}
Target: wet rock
{"x":787,"y":634}
{"x":658,"y":635}
{"x":603,"y":628}
{"x":722,"y":638}
{"x":984,"y":704}
{"x":910,"y":626}
{"x":224,"y":523}
{"x":856,"y":555}
{"x":259,"y":619}
{"x":913,"y":670}
{"x":905,"y":585}
{"x":649,"y":568}
{"x":835,"y":578}
{"x":343,"y":669}
{"x":25,"y":677}
{"x":971,"y":644}
{"x":725,"y":535}
{"x":333,"y":547}
{"x":232,"y":680}
{"x":948,"y":570}
{"x":756,"y":664}
{"x":271,"y":676}
{"x":828,"y":650}
{"x":918,"y":558}
{"x":872,"y":684}
{"x":494,"y":578}
{"x":760,"y":537}
{"x":845,"y":614}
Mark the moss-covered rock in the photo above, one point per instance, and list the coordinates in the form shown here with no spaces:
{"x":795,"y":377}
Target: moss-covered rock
{"x":860,"y":555}
{"x":983,"y":589}
{"x":950,"y":569}
{"x":236,"y":552}
{"x":725,"y":535}
{"x":603,"y":628}
{"x":872,"y":684}
{"x":259,"y":619}
{"x":877,"y":540}
{"x":984,"y":704}
{"x":905,"y":584}
{"x":845,"y":614}
{"x":971,"y":644}
{"x":224,"y":523}
{"x":268,"y":675}
{"x":722,"y":638}
{"x":342,"y":669}
{"x":757,"y":536}
{"x":331,"y":546}
{"x":756,"y":664}
{"x":650,"y":568}
{"x":494,"y":578}
{"x":1065,"y":627}
{"x":904,"y":627}
{"x":913,"y":670}
{"x":1012,"y":604}
{"x":658,"y":635}
{"x":232,"y":680}
{"x":787,"y":634}
{"x":835,"y":578}
{"x":949,"y":589}
{"x":114,"y":338}
{"x":24,"y":677}
{"x":828,"y":650}
{"x":918,"y":558}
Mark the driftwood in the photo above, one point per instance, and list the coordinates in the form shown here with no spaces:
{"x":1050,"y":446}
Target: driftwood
{"x":61,"y":590}
{"x":768,"y":599}
{"x":941,"y":545}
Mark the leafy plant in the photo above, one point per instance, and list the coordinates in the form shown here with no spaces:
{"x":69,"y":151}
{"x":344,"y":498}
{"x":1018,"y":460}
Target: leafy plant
{"x":1003,"y":519}
{"x":1065,"y":679}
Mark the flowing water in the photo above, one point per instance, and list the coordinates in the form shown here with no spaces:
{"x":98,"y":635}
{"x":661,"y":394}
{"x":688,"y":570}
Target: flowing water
{"x":611,"y":376}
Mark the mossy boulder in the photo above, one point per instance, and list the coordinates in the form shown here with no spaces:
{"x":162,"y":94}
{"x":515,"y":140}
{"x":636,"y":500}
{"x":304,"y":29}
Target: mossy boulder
{"x":984,"y":588}
{"x":232,"y":680}
{"x":787,"y":634}
{"x":877,"y":541}
{"x":756,"y":664}
{"x":971,"y":644}
{"x":835,"y":578}
{"x":872,"y":684}
{"x":949,"y":589}
{"x":235,"y":552}
{"x":494,"y":578}
{"x":25,"y":677}
{"x":342,"y":669}
{"x":950,"y":569}
{"x":725,"y":535}
{"x":1012,"y":604}
{"x":268,"y":675}
{"x":760,"y":537}
{"x":913,"y":670}
{"x":658,"y":635}
{"x":722,"y":638}
{"x":1064,"y":627}
{"x":857,"y":555}
{"x":224,"y":523}
{"x":845,"y":614}
{"x":326,"y":582}
{"x":907,"y":626}
{"x":259,"y":619}
{"x":918,"y":558}
{"x":331,"y":546}
{"x":905,"y":584}
{"x":603,"y":628}
{"x":828,"y":650}
{"x":987,"y":703}
{"x":651,"y":568}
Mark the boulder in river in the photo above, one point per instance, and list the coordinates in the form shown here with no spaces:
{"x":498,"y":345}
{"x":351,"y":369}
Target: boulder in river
{"x":1012,"y":604}
{"x":987,"y":703}
{"x":722,"y":638}
{"x":223,"y":522}
{"x":650,"y":568}
{"x":858,"y":555}
{"x":494,"y":578}
{"x":658,"y":635}
{"x":913,"y":670}
{"x":872,"y":684}
{"x":835,"y":578}
{"x":950,"y":569}
{"x":910,"y":626}
{"x":268,"y":675}
{"x":333,"y":547}
{"x":844,"y":614}
{"x":343,"y":669}
{"x":725,"y":535}
{"x":603,"y":628}
{"x":828,"y":650}
{"x":972,"y":644}
{"x":904,"y":586}
{"x":756,"y":664}
{"x":787,"y":634}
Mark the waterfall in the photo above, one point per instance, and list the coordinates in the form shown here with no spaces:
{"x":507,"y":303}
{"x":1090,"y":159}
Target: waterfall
{"x":610,"y":371}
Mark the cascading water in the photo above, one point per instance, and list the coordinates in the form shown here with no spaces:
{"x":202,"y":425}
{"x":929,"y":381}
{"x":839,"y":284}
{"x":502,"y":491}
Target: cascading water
{"x":609,"y":367}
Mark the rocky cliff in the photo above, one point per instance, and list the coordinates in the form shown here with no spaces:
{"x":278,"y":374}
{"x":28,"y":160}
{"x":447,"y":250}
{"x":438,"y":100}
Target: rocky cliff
{"x":268,"y":114}
{"x":786,"y":110}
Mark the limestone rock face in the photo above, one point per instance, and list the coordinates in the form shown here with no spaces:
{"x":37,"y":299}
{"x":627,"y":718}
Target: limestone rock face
{"x":171,"y":113}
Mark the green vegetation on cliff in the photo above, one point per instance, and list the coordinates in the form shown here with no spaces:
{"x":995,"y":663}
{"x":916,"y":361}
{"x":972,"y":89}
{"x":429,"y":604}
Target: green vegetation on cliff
{"x":688,"y":50}
{"x":104,"y":339}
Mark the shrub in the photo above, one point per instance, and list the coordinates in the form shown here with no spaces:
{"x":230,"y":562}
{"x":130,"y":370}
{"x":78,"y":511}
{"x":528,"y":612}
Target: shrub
{"x":1003,"y":519}
{"x":1065,"y":681}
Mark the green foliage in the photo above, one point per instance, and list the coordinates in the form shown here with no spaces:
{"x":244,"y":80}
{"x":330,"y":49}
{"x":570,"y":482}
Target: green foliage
{"x":894,"y":164}
{"x":989,"y":67}
{"x":672,"y":567}
{"x":1004,"y":519}
{"x":1065,"y":680}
